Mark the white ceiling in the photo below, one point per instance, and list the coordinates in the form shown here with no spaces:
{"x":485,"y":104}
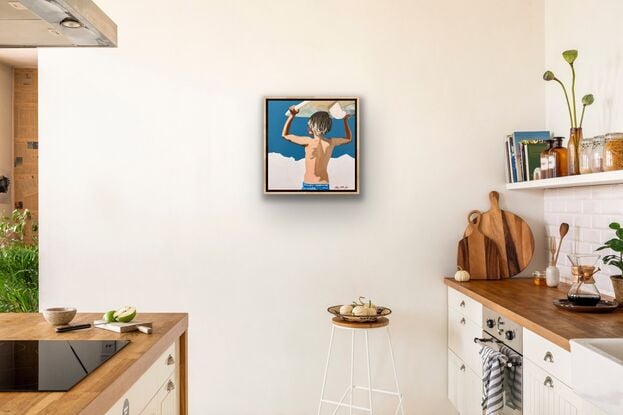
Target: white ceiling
{"x":19,"y":58}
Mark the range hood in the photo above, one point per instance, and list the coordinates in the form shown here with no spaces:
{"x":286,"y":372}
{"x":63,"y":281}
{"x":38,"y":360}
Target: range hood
{"x":53,"y":23}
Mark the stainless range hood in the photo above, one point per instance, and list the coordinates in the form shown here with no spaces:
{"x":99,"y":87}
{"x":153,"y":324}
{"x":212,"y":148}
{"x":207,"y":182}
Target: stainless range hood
{"x":51,"y":23}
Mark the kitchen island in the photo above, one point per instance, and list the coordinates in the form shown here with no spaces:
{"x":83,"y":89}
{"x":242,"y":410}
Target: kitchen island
{"x":150,"y":371}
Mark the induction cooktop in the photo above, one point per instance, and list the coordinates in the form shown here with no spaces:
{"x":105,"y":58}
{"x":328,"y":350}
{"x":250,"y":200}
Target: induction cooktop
{"x":51,"y":365}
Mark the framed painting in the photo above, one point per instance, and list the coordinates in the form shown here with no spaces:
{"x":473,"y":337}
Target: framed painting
{"x":311,"y":145}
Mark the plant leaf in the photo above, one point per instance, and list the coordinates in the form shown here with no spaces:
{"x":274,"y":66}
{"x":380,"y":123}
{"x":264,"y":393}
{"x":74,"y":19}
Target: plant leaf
{"x":614,"y":225}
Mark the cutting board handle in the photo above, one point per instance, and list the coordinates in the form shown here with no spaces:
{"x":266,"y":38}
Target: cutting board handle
{"x":494,"y":197}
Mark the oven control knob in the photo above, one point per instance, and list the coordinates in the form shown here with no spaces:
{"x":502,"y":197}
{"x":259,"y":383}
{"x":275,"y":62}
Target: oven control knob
{"x":490,"y":323}
{"x":510,"y":335}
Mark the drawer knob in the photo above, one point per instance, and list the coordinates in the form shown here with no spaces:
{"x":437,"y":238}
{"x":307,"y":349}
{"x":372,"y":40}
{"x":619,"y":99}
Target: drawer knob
{"x":462,"y":368}
{"x":170,"y":386}
{"x":549,"y":357}
{"x":462,"y":304}
{"x":549,"y":382}
{"x":462,"y":321}
{"x":170,"y":360}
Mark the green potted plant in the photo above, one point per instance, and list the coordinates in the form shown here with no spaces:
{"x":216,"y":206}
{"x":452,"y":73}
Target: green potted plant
{"x":615,"y":260}
{"x":575,"y":135}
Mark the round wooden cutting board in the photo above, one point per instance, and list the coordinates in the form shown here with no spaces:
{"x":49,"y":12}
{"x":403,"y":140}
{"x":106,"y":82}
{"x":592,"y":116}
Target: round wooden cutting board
{"x":511,"y":234}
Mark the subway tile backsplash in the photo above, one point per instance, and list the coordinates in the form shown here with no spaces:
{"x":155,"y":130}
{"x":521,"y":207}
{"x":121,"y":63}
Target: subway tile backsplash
{"x":588,"y":211}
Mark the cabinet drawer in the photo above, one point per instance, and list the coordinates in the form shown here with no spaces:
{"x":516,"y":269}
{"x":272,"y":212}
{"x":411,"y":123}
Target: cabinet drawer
{"x":544,"y":394}
{"x":144,"y":389}
{"x":466,"y":306}
{"x":548,"y":356}
{"x":461,"y":333}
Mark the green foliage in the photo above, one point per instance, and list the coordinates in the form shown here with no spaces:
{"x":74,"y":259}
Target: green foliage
{"x":17,"y":227}
{"x":616,"y":245}
{"x":19,"y":263}
{"x":570,"y":56}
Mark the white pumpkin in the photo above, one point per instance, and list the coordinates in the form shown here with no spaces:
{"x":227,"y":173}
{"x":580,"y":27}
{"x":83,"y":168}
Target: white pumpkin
{"x":371,"y":311}
{"x":461,"y":275}
{"x":346,"y":310}
{"x":360,"y":310}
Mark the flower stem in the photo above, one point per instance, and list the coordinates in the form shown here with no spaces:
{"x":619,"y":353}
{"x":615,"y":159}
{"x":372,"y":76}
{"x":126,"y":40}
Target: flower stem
{"x":582,"y":117}
{"x":567,"y":99}
{"x":575,"y":113}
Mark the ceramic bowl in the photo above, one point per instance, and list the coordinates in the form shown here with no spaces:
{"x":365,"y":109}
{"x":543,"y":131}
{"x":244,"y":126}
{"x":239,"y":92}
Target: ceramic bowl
{"x":59,"y":316}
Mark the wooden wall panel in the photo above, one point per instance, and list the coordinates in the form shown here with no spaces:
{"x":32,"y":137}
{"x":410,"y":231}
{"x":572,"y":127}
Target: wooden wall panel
{"x":26,"y":141}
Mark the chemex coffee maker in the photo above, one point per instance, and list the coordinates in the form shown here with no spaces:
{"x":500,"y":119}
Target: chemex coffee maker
{"x":583,"y":291}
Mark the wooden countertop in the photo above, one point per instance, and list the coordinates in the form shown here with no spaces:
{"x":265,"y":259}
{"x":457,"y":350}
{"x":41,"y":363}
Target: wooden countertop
{"x":532,"y":307}
{"x":96,"y":393}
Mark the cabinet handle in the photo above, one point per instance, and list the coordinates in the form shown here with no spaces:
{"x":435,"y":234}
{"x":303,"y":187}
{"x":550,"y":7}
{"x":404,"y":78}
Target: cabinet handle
{"x":170,"y":386}
{"x":170,"y":360}
{"x":549,"y":357}
{"x":549,"y":382}
{"x":462,"y":368}
{"x":462,"y":321}
{"x":462,"y":304}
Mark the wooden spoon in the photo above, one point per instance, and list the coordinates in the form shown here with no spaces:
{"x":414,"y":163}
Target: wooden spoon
{"x":564,"y":228}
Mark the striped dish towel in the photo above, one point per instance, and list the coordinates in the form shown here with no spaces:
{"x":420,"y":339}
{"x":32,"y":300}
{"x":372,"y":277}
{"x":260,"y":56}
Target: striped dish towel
{"x":513,"y":377}
{"x":493,"y":363}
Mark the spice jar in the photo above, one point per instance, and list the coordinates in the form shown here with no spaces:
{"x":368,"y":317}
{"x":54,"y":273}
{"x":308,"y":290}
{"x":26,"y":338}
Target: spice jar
{"x":546,"y":161}
{"x":586,"y":153}
{"x":613,"y":152}
{"x":558,"y":159}
{"x":597,"y":156}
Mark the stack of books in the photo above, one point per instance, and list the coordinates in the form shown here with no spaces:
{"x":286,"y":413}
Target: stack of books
{"x":523,"y":154}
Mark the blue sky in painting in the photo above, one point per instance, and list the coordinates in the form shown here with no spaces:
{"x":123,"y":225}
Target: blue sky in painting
{"x":276,"y":110}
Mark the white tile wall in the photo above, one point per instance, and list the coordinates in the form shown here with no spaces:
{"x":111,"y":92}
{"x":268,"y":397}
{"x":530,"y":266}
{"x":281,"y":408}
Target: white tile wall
{"x":588,"y":211}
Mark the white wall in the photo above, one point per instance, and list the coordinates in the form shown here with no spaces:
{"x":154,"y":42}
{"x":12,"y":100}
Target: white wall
{"x":6,"y":131}
{"x":593,"y":31}
{"x":592,"y":28}
{"x":151,"y":177}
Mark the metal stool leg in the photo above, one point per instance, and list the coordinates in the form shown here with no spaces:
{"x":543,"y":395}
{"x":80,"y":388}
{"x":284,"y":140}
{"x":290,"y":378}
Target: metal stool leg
{"x":352,"y":368}
{"x":365,"y":332}
{"x":326,"y":369}
{"x":391,"y":353}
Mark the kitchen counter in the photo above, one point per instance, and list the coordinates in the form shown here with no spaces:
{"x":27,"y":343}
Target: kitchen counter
{"x":96,"y":393}
{"x":532,"y":307}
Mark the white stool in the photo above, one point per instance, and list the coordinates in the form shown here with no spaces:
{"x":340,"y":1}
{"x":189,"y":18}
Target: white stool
{"x":353,"y":328}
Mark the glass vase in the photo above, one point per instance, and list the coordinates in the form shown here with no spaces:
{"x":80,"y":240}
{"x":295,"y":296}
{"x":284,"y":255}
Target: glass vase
{"x":573,"y":151}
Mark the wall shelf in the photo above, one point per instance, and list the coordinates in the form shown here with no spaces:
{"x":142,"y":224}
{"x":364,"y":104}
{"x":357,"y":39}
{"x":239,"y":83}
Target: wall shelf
{"x":593,"y":179}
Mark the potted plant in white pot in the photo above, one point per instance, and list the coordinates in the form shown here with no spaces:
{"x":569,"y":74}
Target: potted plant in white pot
{"x":615,"y":260}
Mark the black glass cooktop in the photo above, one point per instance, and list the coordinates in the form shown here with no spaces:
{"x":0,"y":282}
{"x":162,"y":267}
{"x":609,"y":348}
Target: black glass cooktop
{"x":51,"y":365}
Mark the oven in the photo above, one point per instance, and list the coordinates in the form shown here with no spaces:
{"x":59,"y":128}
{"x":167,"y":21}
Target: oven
{"x":506,"y":336}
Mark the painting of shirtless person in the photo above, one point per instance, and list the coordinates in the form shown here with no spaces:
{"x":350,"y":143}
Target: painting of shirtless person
{"x":311,"y":145}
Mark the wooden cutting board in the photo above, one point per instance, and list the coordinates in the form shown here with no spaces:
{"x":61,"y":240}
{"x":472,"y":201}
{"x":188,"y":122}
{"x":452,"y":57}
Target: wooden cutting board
{"x":478,"y":254}
{"x":143,"y":327}
{"x":511,"y":234}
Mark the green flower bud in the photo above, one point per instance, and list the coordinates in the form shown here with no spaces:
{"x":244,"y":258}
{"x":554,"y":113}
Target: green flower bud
{"x":588,"y":99}
{"x":570,"y":56}
{"x":549,"y":76}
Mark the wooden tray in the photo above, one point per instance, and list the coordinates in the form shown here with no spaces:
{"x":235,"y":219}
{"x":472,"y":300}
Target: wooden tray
{"x":380,"y":312}
{"x":604,"y":306}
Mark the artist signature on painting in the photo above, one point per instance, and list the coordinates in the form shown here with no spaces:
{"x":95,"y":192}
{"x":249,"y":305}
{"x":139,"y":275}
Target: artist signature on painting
{"x":341,"y":187}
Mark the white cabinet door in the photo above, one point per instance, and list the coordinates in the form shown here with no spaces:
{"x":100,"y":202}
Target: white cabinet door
{"x":461,"y":334}
{"x":471,"y":390}
{"x":165,"y":402}
{"x":454,"y":367}
{"x":464,"y":387}
{"x":546,"y":395}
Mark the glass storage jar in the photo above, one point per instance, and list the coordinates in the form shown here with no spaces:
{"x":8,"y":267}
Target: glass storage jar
{"x":613,"y":152}
{"x":597,"y":156}
{"x":586,"y":152}
{"x":558,"y":159}
{"x":546,"y":161}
